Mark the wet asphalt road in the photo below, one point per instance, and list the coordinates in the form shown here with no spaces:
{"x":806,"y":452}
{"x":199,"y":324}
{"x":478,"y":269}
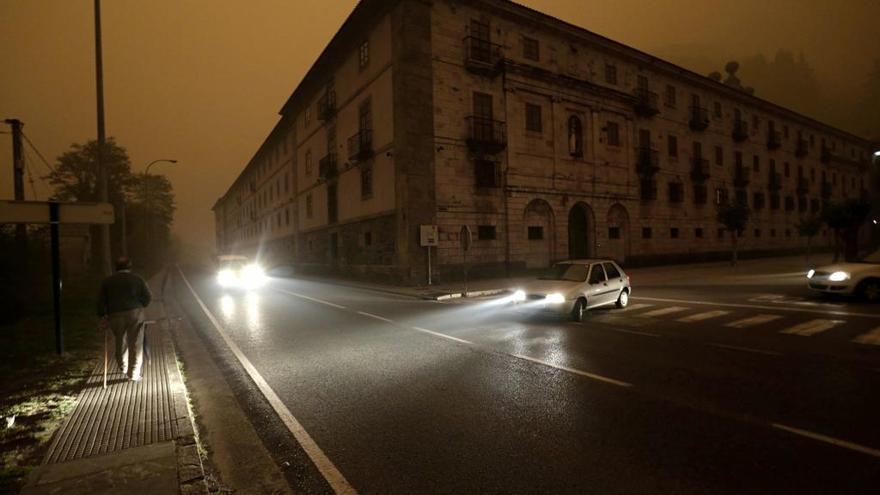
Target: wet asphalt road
{"x":690,"y":390}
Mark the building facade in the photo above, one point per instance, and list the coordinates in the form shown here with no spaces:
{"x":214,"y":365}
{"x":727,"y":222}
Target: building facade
{"x":535,"y":139}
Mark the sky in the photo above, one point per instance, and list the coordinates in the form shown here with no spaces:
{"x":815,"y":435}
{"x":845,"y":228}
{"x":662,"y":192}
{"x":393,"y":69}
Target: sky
{"x":201,"y":81}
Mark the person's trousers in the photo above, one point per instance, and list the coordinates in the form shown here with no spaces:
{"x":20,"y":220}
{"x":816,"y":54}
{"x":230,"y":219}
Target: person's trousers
{"x":128,"y":333}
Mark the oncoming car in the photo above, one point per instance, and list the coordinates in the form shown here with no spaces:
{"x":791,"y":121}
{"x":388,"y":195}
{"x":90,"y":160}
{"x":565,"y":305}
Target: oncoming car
{"x":237,"y":272}
{"x":573,"y":287}
{"x":859,"y":278}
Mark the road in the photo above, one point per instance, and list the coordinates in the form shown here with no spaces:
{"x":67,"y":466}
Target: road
{"x":753,"y":386}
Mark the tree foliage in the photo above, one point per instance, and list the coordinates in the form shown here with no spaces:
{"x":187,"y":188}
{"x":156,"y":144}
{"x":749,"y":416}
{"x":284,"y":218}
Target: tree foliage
{"x":75,"y":177}
{"x":734,"y":216}
{"x":845,"y":218}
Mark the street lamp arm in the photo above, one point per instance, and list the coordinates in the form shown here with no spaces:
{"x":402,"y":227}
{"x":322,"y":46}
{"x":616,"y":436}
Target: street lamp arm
{"x":147,"y":171}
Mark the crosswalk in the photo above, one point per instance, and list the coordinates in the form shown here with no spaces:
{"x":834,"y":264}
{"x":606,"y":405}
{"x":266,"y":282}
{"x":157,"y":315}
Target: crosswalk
{"x":738,"y":318}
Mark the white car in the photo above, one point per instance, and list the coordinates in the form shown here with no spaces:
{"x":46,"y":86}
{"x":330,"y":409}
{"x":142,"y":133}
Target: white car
{"x":859,"y":278}
{"x":573,"y":287}
{"x":236,"y":272}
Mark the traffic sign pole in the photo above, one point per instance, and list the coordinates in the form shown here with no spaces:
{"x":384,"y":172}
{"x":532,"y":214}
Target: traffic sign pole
{"x":54,"y":219}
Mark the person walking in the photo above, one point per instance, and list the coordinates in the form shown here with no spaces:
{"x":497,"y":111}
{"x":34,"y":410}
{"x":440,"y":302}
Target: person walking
{"x":121,"y":303}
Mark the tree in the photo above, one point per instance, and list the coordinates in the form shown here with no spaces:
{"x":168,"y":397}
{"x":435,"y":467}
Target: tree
{"x":75,"y":177}
{"x":809,"y":227}
{"x":150,"y":212}
{"x":734,"y":216}
{"x":845,"y":218}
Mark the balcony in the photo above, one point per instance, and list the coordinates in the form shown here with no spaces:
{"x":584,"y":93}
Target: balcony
{"x":481,"y":56}
{"x":826,"y":190}
{"x":327,"y":169}
{"x":486,"y":135}
{"x":774,"y":140}
{"x":803,"y":186}
{"x":699,"y":118}
{"x":826,"y":155}
{"x":740,"y":130}
{"x":802,"y":148}
{"x":774,"y":181}
{"x":700,"y":169}
{"x":327,"y":105}
{"x":676,"y":192}
{"x":646,"y":103}
{"x":647,"y":161}
{"x":741,"y":177}
{"x":647,"y":189}
{"x":360,"y":146}
{"x":701,"y":194}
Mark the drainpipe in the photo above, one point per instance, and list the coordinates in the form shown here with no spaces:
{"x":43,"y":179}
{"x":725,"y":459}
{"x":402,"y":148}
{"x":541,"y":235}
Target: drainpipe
{"x":504,"y":191}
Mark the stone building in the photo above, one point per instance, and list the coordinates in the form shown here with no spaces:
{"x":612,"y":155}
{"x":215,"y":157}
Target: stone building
{"x":543,"y":140}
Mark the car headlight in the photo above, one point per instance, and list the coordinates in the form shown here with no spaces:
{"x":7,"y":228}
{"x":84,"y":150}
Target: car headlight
{"x":226,"y":277}
{"x":555,"y":298}
{"x":838,"y":276}
{"x":518,"y":296}
{"x":253,"y":275}
{"x":811,"y":273}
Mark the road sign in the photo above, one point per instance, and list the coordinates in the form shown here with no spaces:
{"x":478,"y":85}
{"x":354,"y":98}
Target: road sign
{"x":38,"y":212}
{"x":428,"y":235}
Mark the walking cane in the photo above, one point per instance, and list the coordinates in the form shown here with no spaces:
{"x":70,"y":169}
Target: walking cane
{"x":104,"y":326}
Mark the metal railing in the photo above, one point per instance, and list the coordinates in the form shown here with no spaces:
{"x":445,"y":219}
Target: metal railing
{"x":486,"y":135}
{"x":360,"y":146}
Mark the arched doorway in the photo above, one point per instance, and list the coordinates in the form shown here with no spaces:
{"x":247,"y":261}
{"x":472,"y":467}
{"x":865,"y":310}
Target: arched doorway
{"x":618,"y":233}
{"x":580,"y":231}
{"x":539,"y":232}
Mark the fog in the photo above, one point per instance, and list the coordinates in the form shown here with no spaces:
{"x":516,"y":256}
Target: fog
{"x":202,"y":81}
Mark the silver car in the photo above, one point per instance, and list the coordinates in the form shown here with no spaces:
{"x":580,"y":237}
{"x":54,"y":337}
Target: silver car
{"x":573,"y":287}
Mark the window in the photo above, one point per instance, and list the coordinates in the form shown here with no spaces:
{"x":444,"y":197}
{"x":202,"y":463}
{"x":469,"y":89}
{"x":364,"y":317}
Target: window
{"x":536,"y":233}
{"x":757,"y":232}
{"x":720,"y":195}
{"x":486,"y":173}
{"x":758,"y":201}
{"x":366,"y":180}
{"x":676,"y":192}
{"x":787,"y":169}
{"x":597,"y":274}
{"x":718,"y":109}
{"x":611,"y":270}
{"x":698,"y":232}
{"x":613,"y":134}
{"x":721,"y":233}
{"x":533,"y":117}
{"x":738,"y":159}
{"x":309,"y":163}
{"x":673,"y":233}
{"x":646,"y":232}
{"x":286,"y":182}
{"x":364,"y":54}
{"x":575,"y":136}
{"x":672,"y":144}
{"x":368,"y":238}
{"x":719,"y":155}
{"x":309,"y":206}
{"x":486,"y":232}
{"x":286,"y":217}
{"x":531,"y":49}
{"x":307,"y":117}
{"x":756,"y":163}
{"x":670,"y":96}
{"x":610,"y":73}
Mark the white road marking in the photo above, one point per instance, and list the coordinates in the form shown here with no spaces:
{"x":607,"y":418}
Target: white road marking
{"x":370,"y":315}
{"x":646,"y":334}
{"x":334,"y":478}
{"x":303,"y":296}
{"x":870,"y":338}
{"x":442,"y":335}
{"x":825,"y":312}
{"x":745,"y":349}
{"x":574,"y":371}
{"x":636,"y":307}
{"x":754,"y":320}
{"x":812,"y":327}
{"x":663,"y":311}
{"x":829,"y":440}
{"x":703,"y":316}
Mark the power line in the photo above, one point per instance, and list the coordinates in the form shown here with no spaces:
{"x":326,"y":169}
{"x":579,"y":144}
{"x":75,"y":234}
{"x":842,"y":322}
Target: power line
{"x":28,"y":159}
{"x":45,"y":162}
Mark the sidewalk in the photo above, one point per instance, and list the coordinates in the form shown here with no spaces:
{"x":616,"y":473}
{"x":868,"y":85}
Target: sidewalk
{"x":687,"y":274}
{"x":134,"y":437}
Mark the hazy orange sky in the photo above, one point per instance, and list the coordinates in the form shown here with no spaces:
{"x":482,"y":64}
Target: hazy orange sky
{"x":202,"y":81}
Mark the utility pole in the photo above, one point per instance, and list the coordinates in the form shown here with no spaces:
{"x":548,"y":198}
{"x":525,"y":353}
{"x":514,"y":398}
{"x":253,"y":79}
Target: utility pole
{"x":18,"y":180}
{"x":102,"y":170}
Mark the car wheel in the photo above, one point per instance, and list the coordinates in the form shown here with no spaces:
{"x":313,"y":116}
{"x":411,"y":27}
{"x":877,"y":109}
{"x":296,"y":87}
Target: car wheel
{"x":623,"y":299}
{"x":870,"y":290}
{"x":577,"y":313}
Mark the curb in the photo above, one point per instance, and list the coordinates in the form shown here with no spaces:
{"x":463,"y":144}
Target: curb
{"x":476,"y":293}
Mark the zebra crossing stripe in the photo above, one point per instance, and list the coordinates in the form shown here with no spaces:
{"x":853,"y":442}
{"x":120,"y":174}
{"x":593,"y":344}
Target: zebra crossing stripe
{"x":664,"y":311}
{"x":812,"y":327}
{"x":754,"y":320}
{"x":703,"y":316}
{"x":870,"y":338}
{"x":636,"y":307}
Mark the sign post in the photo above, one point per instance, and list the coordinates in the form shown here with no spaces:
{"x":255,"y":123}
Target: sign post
{"x":465,"y":238}
{"x":428,"y":238}
{"x":55,"y":213}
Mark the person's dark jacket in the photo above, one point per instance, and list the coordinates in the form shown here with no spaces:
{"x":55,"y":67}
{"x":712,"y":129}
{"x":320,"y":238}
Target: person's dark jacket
{"x":123,"y":291}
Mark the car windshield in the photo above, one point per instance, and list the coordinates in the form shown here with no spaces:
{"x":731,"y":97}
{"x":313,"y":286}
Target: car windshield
{"x":565,"y":271}
{"x":872,"y":257}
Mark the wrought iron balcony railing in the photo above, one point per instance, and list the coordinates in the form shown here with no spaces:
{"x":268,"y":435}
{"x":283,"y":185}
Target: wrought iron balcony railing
{"x":327,"y":168}
{"x":802,"y":148}
{"x":327,"y":105}
{"x":803,"y":186}
{"x":360,"y":146}
{"x":741,"y":177}
{"x":700,"y":169}
{"x":486,"y":135}
{"x":648,"y":189}
{"x":774,"y":140}
{"x":481,"y":56}
{"x":646,"y":102}
{"x":774,"y":181}
{"x":699,"y":118}
{"x":647,"y":161}
{"x":740,"y":130}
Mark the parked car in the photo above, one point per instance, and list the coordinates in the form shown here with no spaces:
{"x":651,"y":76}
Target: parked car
{"x":859,"y":278}
{"x":573,"y":287}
